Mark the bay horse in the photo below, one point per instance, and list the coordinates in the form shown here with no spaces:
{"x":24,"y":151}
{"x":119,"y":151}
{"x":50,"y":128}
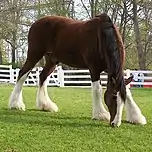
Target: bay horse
{"x":94,"y":44}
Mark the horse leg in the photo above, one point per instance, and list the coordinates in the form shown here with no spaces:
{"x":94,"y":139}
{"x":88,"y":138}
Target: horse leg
{"x":43,"y":102}
{"x":133,"y":112}
{"x":99,"y":112}
{"x":35,"y":53}
{"x":16,"y":100}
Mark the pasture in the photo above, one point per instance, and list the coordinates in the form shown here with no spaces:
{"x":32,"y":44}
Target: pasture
{"x":71,"y":129}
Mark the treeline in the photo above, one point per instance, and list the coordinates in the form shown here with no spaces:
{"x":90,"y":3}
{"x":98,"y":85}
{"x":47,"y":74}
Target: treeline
{"x":133,"y":17}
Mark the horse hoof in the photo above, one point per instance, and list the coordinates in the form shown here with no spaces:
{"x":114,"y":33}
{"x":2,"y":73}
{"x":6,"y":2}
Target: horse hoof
{"x":52,"y":107}
{"x":17,"y":108}
{"x":141,"y":120}
{"x":107,"y":116}
{"x":102,"y":116}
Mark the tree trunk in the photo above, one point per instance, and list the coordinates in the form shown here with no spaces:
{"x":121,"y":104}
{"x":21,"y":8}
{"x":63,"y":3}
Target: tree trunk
{"x":1,"y":61}
{"x":92,"y":8}
{"x":141,"y":55}
{"x":93,"y":5}
{"x":1,"y":50}
{"x":123,"y":22}
{"x":13,"y":56}
{"x":14,"y":34}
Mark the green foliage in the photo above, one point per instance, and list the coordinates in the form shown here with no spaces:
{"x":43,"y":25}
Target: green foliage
{"x":17,"y":16}
{"x":71,"y":129}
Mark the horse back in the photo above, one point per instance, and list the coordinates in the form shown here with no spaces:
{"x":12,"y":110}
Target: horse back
{"x":56,"y":29}
{"x":67,"y":39}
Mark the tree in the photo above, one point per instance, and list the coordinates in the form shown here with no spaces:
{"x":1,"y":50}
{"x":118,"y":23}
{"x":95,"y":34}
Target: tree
{"x":134,"y":19}
{"x":146,"y":31}
{"x":10,"y":23}
{"x":141,"y":55}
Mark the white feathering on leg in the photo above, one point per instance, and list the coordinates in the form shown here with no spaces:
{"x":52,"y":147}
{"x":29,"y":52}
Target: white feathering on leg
{"x":134,"y":114}
{"x":43,"y":102}
{"x":16,"y":99}
{"x":99,"y":112}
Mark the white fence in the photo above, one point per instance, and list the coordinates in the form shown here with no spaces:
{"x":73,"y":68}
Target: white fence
{"x":74,"y":78}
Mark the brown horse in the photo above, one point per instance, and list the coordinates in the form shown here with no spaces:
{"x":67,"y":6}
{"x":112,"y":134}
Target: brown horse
{"x":94,"y":44}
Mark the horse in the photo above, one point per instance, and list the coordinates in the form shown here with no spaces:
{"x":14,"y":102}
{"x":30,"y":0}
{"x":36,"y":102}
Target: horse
{"x":94,"y":44}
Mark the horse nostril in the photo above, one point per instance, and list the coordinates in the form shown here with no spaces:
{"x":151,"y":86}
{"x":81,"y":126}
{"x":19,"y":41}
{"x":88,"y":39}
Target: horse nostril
{"x":112,"y":124}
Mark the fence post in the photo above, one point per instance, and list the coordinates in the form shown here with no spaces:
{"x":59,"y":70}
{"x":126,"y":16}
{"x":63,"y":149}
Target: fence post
{"x":60,"y":75}
{"x":11,"y":74}
{"x":128,"y":74}
{"x":17,"y":73}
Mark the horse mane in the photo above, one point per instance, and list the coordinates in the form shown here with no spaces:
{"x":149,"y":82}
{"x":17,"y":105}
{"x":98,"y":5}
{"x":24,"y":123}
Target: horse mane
{"x":114,"y":53}
{"x":120,"y":44}
{"x":120,"y":77}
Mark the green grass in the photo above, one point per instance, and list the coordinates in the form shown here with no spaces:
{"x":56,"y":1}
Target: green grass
{"x":71,"y":129}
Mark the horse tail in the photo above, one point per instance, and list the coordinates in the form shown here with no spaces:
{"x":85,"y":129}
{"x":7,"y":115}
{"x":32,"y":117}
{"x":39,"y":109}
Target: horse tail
{"x":115,"y":54}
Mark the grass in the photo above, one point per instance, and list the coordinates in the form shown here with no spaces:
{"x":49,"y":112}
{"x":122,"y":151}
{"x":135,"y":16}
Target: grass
{"x":71,"y":129}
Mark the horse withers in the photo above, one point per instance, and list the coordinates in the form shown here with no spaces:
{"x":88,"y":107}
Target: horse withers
{"x":94,"y":44}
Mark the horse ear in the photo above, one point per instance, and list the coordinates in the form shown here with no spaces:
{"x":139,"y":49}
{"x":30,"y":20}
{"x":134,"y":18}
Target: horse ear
{"x":127,"y":81}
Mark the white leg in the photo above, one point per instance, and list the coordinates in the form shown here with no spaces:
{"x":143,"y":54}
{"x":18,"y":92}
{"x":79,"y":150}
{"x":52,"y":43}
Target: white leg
{"x":43,"y":102}
{"x":134,"y":114}
{"x":99,"y":112}
{"x":120,"y":104}
{"x":16,"y":99}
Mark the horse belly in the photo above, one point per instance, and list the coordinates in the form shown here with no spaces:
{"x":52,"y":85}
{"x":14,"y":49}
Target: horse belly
{"x":70,"y":58}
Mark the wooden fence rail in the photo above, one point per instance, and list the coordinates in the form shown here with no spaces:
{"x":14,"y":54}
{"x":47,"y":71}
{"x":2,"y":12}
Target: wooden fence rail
{"x":71,"y":78}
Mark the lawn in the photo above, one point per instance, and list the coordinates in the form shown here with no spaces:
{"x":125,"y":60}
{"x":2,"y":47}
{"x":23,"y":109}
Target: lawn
{"x":71,"y":129}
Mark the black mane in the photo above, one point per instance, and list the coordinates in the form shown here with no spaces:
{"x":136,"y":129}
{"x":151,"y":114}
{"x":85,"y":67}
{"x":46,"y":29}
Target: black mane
{"x":113,"y":53}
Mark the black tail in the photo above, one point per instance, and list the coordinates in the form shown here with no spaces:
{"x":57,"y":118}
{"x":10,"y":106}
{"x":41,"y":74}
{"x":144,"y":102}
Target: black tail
{"x":114,"y":53}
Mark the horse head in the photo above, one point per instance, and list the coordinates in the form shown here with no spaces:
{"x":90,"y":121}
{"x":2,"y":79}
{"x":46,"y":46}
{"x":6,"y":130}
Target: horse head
{"x":111,"y":94}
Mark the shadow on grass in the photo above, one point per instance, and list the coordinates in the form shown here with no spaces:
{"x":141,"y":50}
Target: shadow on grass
{"x":35,"y":117}
{"x":40,"y":113}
